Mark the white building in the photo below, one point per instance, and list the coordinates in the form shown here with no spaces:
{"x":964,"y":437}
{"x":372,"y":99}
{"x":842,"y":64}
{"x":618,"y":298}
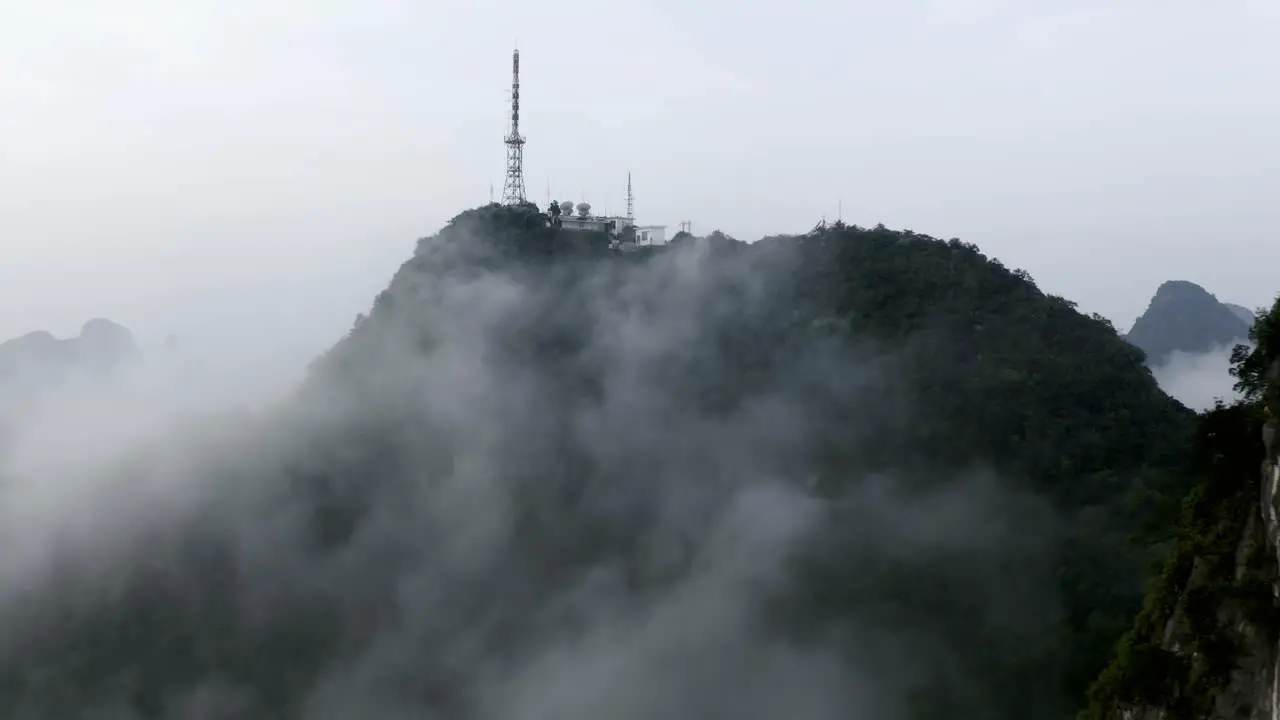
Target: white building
{"x":651,"y":234}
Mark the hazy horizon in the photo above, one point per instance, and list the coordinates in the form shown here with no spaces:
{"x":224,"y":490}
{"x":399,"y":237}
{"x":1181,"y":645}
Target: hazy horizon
{"x":231,"y":167}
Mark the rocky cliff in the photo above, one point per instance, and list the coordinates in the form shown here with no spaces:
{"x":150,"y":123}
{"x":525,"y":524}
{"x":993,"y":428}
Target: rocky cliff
{"x":1207,"y":642}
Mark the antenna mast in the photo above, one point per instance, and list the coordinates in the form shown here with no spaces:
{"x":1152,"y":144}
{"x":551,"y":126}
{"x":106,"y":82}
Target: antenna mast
{"x":631,"y":215}
{"x":513,"y":186}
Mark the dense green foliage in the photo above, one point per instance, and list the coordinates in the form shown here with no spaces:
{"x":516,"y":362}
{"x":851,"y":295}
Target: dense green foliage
{"x":1031,"y":386}
{"x":1219,"y":572}
{"x":998,"y":374}
{"x":1022,"y":443}
{"x":1214,"y":519}
{"x":1251,"y":364}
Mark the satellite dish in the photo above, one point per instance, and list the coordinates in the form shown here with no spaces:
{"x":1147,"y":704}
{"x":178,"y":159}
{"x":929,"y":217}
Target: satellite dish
{"x":566,"y":207}
{"x":584,"y":209}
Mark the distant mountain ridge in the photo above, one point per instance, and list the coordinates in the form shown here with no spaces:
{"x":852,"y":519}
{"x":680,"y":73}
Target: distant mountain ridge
{"x":35,"y":364}
{"x":1242,"y":312}
{"x":1183,"y":316}
{"x":39,"y":360}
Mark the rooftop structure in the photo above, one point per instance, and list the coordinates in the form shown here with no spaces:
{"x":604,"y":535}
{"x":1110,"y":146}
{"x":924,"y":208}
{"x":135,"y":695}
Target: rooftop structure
{"x":623,"y":231}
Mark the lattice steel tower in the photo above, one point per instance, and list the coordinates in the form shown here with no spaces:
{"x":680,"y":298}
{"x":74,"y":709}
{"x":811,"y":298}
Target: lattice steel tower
{"x":513,"y":187}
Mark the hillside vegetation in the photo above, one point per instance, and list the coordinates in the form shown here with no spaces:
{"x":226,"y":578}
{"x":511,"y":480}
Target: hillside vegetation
{"x":1207,"y":631}
{"x":850,"y":471}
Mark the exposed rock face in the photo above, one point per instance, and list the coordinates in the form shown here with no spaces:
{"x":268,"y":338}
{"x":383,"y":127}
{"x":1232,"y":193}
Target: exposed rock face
{"x":1207,"y":646}
{"x":1185,"y":317}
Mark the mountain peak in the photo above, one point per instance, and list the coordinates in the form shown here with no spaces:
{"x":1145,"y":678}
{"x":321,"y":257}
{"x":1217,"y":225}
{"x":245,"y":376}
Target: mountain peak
{"x":1183,"y":316}
{"x":1182,"y":291}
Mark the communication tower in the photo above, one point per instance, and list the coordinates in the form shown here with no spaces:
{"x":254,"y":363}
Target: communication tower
{"x":513,"y":186}
{"x":631,"y":214}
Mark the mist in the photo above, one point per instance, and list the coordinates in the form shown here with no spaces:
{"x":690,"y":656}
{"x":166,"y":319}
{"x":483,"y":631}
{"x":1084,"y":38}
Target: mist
{"x":1198,"y":380}
{"x":510,"y":491}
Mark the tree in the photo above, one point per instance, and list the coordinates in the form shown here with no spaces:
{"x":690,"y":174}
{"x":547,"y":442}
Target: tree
{"x":1252,"y":366}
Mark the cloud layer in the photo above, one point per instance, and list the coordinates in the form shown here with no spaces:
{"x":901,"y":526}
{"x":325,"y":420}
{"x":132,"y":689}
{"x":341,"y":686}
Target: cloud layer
{"x":567,"y":492}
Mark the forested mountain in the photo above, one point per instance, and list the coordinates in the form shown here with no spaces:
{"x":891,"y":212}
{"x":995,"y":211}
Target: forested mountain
{"x":849,"y":473}
{"x":1185,"y":317}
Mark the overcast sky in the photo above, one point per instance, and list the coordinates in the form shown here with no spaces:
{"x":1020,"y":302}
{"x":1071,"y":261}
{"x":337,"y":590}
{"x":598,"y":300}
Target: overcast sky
{"x":213,"y":167}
